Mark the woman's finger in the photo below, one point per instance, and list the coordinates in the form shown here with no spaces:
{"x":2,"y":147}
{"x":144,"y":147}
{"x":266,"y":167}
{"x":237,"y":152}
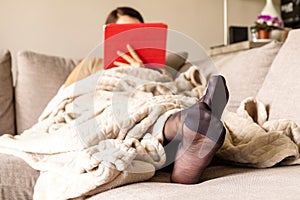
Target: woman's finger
{"x":133,"y":54}
{"x":119,"y":64}
{"x":126,"y":57}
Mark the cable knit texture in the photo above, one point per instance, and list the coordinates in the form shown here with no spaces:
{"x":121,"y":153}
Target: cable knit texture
{"x":94,"y":134}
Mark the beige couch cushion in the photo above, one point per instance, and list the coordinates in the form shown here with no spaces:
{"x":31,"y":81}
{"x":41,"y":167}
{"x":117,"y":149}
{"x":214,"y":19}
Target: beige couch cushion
{"x":245,"y":71}
{"x":176,"y":60}
{"x":17,"y":178}
{"x":6,"y":94}
{"x":218,"y":183}
{"x":38,"y":80}
{"x":281,"y":88}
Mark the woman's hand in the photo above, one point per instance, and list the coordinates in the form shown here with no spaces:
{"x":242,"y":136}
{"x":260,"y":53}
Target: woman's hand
{"x":133,"y":60}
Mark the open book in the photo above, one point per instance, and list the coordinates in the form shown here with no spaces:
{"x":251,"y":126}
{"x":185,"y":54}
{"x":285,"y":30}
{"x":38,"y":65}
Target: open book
{"x":147,"y":39}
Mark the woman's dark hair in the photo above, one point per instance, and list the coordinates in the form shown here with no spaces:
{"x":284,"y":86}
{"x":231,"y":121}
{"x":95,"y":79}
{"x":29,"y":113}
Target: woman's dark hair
{"x":115,"y":14}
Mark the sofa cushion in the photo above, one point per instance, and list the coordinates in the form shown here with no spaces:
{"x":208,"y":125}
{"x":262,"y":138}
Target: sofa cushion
{"x":218,"y":182}
{"x":281,"y":88}
{"x":38,"y":79}
{"x":17,"y":178}
{"x":176,"y":60}
{"x":6,"y":94}
{"x":245,"y":71}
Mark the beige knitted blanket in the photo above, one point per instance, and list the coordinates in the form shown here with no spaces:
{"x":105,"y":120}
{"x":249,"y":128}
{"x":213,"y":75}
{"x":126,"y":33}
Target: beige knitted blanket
{"x":106,"y":131}
{"x":254,"y":141}
{"x":94,"y":136}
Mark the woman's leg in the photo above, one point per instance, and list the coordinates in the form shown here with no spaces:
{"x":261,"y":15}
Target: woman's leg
{"x":200,"y":132}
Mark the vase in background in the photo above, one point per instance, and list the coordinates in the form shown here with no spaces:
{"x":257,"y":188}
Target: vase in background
{"x":271,"y":10}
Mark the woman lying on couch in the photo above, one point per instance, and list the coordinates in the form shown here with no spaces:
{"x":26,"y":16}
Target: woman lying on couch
{"x":198,"y":128}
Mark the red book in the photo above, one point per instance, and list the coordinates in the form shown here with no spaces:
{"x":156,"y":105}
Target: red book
{"x":147,"y":39}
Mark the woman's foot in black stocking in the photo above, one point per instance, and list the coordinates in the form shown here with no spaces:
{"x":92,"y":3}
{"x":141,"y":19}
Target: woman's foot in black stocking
{"x":200,"y":130}
{"x":196,"y":151}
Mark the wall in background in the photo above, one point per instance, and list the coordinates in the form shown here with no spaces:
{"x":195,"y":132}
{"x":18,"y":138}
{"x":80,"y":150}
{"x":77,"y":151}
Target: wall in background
{"x":73,"y":28}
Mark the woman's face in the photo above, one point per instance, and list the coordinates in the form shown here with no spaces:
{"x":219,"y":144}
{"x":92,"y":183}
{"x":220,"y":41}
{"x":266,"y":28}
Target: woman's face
{"x":125,"y":19}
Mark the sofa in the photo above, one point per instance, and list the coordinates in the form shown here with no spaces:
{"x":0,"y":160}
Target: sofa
{"x":270,"y":73}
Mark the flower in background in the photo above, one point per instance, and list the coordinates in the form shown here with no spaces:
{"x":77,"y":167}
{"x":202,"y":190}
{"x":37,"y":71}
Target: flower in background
{"x":266,"y":22}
